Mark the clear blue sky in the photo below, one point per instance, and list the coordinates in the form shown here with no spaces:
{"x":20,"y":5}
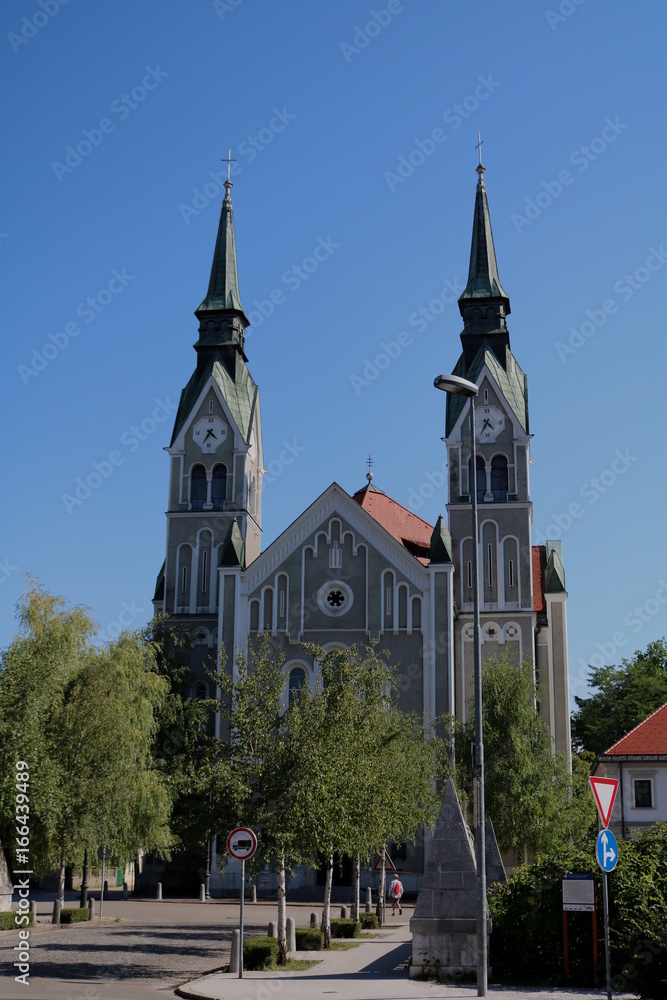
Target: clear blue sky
{"x":319,"y":102}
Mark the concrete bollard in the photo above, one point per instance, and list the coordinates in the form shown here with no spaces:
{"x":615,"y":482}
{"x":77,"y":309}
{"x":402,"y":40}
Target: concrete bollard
{"x":106,"y":884}
{"x":55,"y":919}
{"x":124,"y":890}
{"x":272,"y":930}
{"x":343,"y":913}
{"x":369,"y":896}
{"x":158,"y":894}
{"x":314,"y":922}
{"x":291,"y":934}
{"x":91,"y":905}
{"x":253,"y":897}
{"x":202,"y":890}
{"x":236,"y":948}
{"x":369,"y":906}
{"x":33,"y":910}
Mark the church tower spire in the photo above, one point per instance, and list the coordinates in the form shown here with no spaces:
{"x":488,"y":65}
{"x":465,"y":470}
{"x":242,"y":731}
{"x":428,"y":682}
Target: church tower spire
{"x":484,"y":303}
{"x":222,"y":321}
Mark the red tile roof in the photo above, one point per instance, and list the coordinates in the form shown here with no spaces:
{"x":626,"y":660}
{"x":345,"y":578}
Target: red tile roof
{"x":539,"y":567}
{"x":411,"y":531}
{"x":648,"y":739}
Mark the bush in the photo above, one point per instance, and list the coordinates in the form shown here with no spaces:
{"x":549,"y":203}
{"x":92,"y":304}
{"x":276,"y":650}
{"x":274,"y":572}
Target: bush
{"x":526,"y":944}
{"x":74,"y":916}
{"x":309,"y":939}
{"x":369,"y":921}
{"x":7,"y":921}
{"x":345,"y":928}
{"x":260,"y":953}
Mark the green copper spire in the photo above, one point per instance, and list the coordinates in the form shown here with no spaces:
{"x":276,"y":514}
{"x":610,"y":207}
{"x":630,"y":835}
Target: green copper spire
{"x":483,"y":280}
{"x":222,"y":322}
{"x":223,"y":287}
{"x":484,"y":304}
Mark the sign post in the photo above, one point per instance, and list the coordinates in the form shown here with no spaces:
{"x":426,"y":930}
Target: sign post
{"x":241,"y":845}
{"x":606,"y":851}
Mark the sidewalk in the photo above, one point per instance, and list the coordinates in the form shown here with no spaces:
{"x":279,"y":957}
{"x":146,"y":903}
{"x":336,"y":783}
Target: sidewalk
{"x":376,"y":970}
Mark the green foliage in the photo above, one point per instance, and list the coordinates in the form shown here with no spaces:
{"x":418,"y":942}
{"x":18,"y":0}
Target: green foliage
{"x":309,"y":939}
{"x":369,"y":921}
{"x":526,"y":944}
{"x":623,"y":697}
{"x":84,"y":720}
{"x":260,"y":953}
{"x":74,"y":916}
{"x":533,"y":800}
{"x":345,"y":928}
{"x":8,"y":920}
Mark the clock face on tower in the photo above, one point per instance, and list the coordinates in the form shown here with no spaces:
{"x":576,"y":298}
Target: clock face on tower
{"x":489,"y":423}
{"x":208,"y":433}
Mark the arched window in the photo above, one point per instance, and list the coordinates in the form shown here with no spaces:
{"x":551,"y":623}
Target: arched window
{"x":201,"y":690}
{"x":499,"y":478}
{"x":198,"y":488}
{"x":219,"y":487}
{"x":297,"y":680}
{"x":481,"y":478}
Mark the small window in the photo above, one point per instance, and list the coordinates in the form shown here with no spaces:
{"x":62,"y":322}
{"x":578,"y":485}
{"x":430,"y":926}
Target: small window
{"x":204,"y":572}
{"x":297,"y":680}
{"x":281,"y":604}
{"x":643,"y":793}
{"x":490,"y":560}
{"x":219,"y":487}
{"x":198,"y":488}
{"x":499,"y":478}
{"x":184,"y":580}
{"x":481,"y":478}
{"x":510,"y":572}
{"x":388,"y":606}
{"x":201,"y":691}
{"x":210,"y":406}
{"x":469,"y":573}
{"x":486,"y":395}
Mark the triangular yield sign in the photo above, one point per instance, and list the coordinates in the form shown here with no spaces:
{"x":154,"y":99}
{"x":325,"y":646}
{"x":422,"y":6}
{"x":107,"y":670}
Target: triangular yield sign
{"x":604,"y":792}
{"x":388,"y":864}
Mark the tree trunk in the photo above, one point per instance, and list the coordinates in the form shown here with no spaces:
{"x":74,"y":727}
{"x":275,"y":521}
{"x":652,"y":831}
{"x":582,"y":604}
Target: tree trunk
{"x":61,"y":879}
{"x":357,"y":887}
{"x":326,"y":912}
{"x":379,"y":909}
{"x":83,"y":898}
{"x":282,"y":910}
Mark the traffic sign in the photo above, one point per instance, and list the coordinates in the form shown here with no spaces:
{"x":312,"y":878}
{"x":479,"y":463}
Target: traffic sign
{"x":242,"y":843}
{"x":604,"y":792}
{"x":388,"y":864}
{"x":606,"y":850}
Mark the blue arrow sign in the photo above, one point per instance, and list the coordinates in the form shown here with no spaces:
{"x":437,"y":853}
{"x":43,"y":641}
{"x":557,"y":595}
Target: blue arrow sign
{"x":606,"y":850}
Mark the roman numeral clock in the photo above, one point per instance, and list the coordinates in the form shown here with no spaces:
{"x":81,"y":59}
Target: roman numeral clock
{"x":209,"y":433}
{"x":489,"y":423}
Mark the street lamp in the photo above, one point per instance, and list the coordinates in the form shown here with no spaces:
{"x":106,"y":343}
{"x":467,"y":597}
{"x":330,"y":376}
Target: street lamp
{"x":462,"y":387}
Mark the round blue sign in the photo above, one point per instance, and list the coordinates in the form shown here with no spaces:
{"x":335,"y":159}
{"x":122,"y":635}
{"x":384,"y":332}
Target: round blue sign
{"x":606,"y":850}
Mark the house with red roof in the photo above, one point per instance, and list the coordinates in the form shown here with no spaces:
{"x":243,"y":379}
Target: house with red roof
{"x":361,"y":567}
{"x":639,"y":761}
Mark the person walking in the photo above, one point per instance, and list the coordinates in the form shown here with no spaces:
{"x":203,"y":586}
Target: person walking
{"x":395,"y":894}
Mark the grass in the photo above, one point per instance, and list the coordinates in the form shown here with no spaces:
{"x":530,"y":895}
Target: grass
{"x":343,"y":944}
{"x":298,"y":964}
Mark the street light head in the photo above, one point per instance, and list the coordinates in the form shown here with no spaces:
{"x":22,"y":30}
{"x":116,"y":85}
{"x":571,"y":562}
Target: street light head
{"x":455,"y":385}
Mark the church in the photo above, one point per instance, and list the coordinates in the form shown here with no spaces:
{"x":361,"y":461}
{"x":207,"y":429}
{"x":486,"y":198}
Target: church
{"x":360,"y":568}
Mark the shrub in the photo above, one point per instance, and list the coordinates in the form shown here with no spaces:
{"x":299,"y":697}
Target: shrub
{"x":74,"y":916}
{"x":369,"y":921}
{"x":7,"y":920}
{"x":260,"y":953}
{"x":345,"y":928}
{"x":309,"y":939}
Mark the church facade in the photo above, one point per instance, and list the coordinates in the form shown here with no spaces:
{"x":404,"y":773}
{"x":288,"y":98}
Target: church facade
{"x":358,"y":568}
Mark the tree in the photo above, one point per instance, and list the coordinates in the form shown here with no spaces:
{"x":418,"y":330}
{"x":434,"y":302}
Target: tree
{"x":623,"y":697}
{"x":83,"y":719}
{"x":533,"y":800}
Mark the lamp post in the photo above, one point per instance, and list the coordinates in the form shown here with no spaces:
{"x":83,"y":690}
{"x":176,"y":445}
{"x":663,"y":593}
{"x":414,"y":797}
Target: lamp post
{"x":462,"y":387}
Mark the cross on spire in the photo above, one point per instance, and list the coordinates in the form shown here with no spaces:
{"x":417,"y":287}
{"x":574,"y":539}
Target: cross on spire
{"x":230,"y":159}
{"x":478,"y":146}
{"x":480,"y":168}
{"x":369,"y":474}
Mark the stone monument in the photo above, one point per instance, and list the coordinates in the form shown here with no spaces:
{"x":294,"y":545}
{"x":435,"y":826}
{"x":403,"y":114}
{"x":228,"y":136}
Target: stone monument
{"x":495,"y":869}
{"x":444,"y":925}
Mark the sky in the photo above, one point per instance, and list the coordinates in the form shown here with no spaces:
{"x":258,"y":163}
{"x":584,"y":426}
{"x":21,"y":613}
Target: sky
{"x":353,"y":128}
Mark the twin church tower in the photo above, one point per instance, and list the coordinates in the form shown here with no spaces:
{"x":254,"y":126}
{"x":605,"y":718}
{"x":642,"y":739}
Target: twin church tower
{"x":361,"y":567}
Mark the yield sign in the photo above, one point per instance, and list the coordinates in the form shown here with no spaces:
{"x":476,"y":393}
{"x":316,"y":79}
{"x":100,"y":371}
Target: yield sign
{"x":388,"y":864}
{"x":604,"y":792}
